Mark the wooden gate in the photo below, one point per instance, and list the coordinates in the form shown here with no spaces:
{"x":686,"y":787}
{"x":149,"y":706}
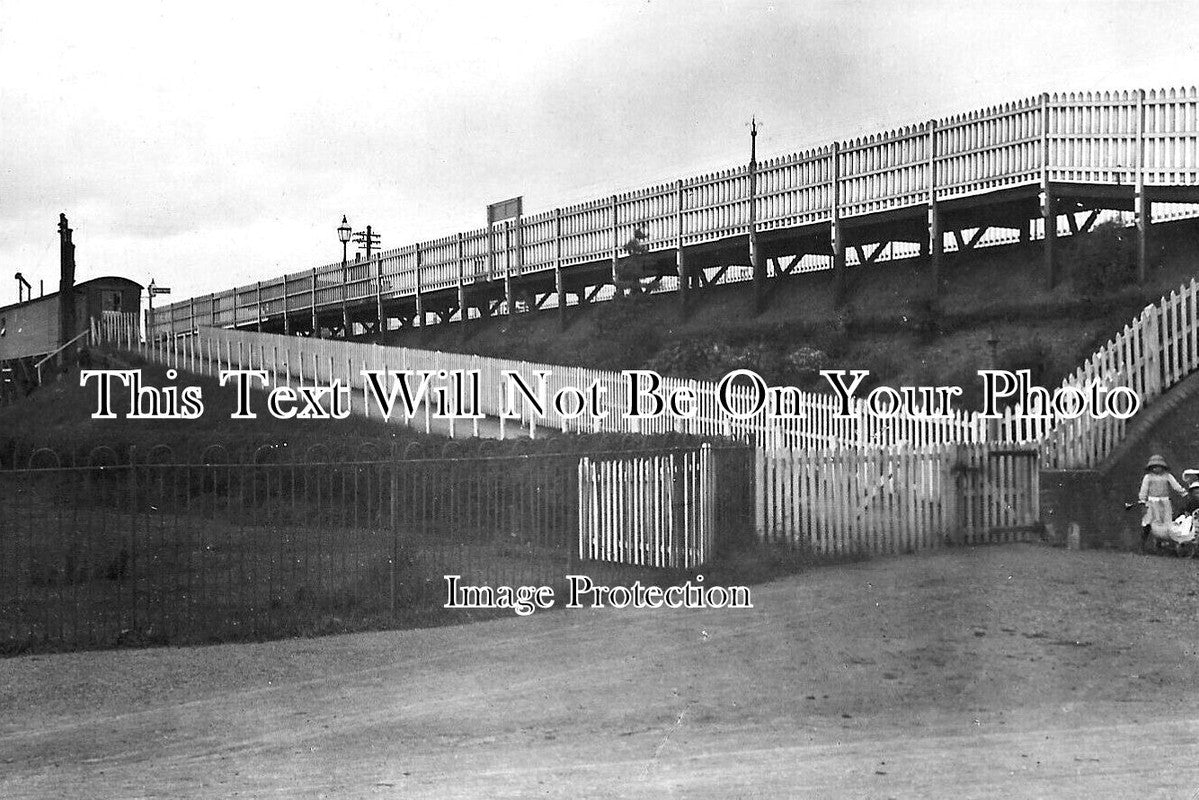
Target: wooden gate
{"x":890,"y":500}
{"x":648,"y":510}
{"x":998,"y":493}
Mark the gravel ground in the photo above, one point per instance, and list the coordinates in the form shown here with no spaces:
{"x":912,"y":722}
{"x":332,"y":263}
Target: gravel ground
{"x":1015,"y":671}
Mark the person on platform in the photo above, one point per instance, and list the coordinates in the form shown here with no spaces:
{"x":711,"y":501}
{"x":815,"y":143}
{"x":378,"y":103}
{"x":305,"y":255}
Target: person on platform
{"x":629,"y":271}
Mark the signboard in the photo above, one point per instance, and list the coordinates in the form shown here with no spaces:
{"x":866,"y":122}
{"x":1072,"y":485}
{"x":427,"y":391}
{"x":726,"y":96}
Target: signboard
{"x":505,"y":209}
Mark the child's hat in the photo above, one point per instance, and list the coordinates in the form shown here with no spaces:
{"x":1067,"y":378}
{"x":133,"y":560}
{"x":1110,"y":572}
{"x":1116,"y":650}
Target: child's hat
{"x":1156,"y":461}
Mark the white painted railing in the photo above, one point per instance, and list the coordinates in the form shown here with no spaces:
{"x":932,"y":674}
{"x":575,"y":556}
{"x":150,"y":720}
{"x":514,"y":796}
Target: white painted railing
{"x":1153,"y":353}
{"x":1111,"y":138}
{"x":810,"y":420}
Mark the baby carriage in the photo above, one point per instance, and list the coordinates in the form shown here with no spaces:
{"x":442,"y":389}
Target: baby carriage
{"x":1180,"y":536}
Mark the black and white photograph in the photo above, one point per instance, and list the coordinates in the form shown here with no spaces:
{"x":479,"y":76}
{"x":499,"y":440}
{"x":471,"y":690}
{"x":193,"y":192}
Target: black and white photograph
{"x":622,"y":399}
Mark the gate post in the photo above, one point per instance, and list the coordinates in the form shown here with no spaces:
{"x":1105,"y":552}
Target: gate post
{"x":760,"y":492}
{"x":950,"y":490}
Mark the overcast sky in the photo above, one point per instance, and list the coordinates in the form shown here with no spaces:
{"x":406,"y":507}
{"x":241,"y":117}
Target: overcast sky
{"x":213,"y":144}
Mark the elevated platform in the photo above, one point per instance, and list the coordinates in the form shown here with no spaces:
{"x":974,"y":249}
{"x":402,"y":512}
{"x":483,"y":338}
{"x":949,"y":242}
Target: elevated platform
{"x":1022,"y":168}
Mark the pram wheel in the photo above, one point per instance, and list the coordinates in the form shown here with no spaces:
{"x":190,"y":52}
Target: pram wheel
{"x":1186,"y":550}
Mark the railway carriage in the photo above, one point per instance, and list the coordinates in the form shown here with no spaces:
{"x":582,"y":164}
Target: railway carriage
{"x":31,"y":330}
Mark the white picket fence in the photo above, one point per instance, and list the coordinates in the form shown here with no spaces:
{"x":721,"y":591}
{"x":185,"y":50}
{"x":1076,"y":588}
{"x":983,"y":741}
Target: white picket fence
{"x":1154,"y":352}
{"x":809,"y":420}
{"x":892,"y":500}
{"x":117,"y":328}
{"x":834,"y":485}
{"x":648,"y":510}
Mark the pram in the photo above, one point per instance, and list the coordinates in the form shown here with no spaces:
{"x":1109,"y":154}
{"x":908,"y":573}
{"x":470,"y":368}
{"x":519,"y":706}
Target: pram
{"x":1181,"y":536}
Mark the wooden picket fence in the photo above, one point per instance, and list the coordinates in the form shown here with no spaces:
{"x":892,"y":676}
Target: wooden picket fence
{"x":892,"y":500}
{"x":1150,"y":355}
{"x":1153,"y":353}
{"x":117,"y":328}
{"x":810,"y":419}
{"x":835,"y":485}
{"x":648,"y":510}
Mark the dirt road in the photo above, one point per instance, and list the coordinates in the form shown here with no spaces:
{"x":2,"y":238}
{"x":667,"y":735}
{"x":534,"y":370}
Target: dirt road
{"x":992,"y":672}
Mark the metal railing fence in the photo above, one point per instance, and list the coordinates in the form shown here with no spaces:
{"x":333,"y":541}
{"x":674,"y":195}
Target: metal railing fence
{"x":146,"y":553}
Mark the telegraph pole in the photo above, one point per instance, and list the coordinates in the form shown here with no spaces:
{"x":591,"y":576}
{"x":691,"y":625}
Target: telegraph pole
{"x":755,"y":249}
{"x":364,"y":239}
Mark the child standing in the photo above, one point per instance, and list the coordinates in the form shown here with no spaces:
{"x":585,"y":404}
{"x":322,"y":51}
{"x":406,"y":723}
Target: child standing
{"x":1155,"y":494}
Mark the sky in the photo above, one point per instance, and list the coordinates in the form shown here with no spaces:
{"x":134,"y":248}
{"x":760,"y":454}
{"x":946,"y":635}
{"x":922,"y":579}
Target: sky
{"x":208,"y":145}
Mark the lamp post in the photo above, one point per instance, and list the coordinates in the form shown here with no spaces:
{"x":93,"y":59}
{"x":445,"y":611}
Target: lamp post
{"x":343,"y":233}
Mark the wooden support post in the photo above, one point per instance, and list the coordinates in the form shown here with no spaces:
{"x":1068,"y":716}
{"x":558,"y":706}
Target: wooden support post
{"x":680,"y":261}
{"x":755,"y":250}
{"x":420,"y":300}
{"x":509,"y":301}
{"x":839,"y":282}
{"x":286,"y":315}
{"x":559,"y":286}
{"x":936,"y":246}
{"x":316,"y":331}
{"x":1048,"y":204}
{"x":615,"y":248}
{"x":379,"y":322}
{"x":1142,"y":207}
{"x":835,"y":232}
{"x":1025,"y":232}
{"x":258,"y":306}
{"x":680,"y":258}
{"x":462,"y":311}
{"x":1049,"y":217}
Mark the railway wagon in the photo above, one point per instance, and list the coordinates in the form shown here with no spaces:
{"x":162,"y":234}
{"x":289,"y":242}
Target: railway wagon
{"x":30,"y":330}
